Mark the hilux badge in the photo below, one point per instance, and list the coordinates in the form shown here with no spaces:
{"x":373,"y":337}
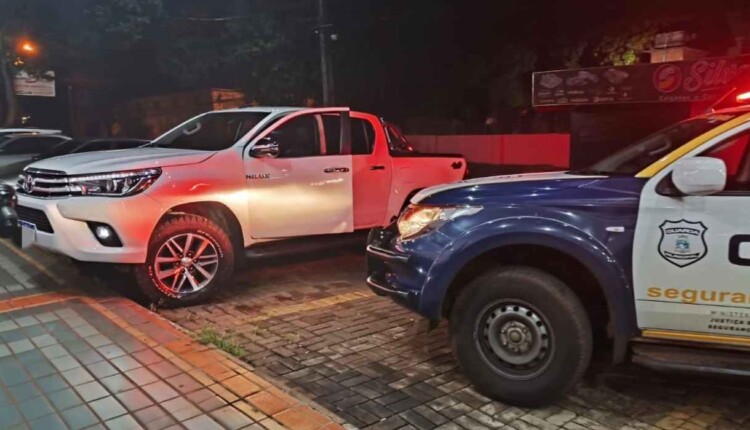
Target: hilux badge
{"x":683,"y":242}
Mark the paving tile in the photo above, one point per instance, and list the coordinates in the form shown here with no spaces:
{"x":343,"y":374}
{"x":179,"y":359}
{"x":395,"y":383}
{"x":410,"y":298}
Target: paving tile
{"x":160,"y":391}
{"x":23,"y":392}
{"x":102,"y":369}
{"x":134,"y":399}
{"x":88,"y":357}
{"x":77,"y":346}
{"x":65,"y":362}
{"x":98,"y":341}
{"x":4,"y":350}
{"x":64,"y":399}
{"x":300,"y":418}
{"x":202,"y":422}
{"x":8,"y":325}
{"x":111,"y":351}
{"x":125,"y":363}
{"x":117,"y":383}
{"x":241,"y":386}
{"x":43,"y":340}
{"x":184,"y":383}
{"x":10,"y":415}
{"x":26,"y":321}
{"x":231,"y":418}
{"x":148,"y":356}
{"x":35,"y":408}
{"x":20,"y":346}
{"x":151,"y":413}
{"x":107,"y":408}
{"x":181,"y":409}
{"x":91,"y":391}
{"x":141,"y":376}
{"x":79,"y":417}
{"x":77,"y":376}
{"x":51,"y":383}
{"x":30,"y":357}
{"x":165,"y":369}
{"x":125,"y":422}
{"x":49,"y":422}
{"x":40,"y":369}
{"x":54,"y":351}
{"x":270,"y":401}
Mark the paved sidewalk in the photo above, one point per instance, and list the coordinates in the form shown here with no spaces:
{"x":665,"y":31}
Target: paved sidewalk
{"x":72,"y":355}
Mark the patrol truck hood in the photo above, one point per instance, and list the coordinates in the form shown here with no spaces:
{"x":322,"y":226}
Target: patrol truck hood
{"x":497,"y":184}
{"x":126,"y":159}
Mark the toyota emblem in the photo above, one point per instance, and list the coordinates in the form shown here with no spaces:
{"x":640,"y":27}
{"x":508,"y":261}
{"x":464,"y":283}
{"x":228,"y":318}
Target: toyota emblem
{"x":28,"y":184}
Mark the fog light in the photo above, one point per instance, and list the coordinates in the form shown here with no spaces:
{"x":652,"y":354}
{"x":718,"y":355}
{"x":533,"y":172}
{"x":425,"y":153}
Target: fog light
{"x":103,"y":232}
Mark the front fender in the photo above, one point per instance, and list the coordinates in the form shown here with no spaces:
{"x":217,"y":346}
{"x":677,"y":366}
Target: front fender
{"x":546,"y":232}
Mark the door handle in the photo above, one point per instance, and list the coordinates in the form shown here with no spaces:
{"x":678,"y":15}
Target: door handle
{"x":336,"y":170}
{"x":377,"y":167}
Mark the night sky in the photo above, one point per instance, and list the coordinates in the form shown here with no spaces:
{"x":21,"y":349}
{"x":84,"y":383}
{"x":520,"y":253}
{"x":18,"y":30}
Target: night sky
{"x":417,"y":58}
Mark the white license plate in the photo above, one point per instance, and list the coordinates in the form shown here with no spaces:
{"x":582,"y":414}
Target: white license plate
{"x":28,"y":233}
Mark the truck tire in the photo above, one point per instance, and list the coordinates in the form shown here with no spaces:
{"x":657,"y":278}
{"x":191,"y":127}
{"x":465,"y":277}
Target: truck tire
{"x":521,"y":336}
{"x":189,"y":258}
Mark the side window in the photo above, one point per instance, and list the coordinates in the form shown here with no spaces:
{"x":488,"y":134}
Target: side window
{"x":332,"y":129}
{"x":31,"y":145}
{"x":363,"y":137}
{"x":298,"y":138}
{"x":735,"y":153}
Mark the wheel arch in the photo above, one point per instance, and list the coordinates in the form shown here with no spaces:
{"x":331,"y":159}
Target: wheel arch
{"x":218,"y":213}
{"x":573,"y":256}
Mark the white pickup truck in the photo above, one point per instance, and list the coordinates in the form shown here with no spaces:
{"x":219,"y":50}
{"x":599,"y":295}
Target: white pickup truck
{"x":185,"y":209}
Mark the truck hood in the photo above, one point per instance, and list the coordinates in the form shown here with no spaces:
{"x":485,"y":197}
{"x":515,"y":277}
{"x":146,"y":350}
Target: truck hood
{"x":545,"y":181}
{"x":126,"y":159}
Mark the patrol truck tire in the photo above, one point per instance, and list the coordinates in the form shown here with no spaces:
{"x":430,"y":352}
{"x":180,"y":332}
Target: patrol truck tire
{"x":189,"y":258}
{"x":521,"y":336}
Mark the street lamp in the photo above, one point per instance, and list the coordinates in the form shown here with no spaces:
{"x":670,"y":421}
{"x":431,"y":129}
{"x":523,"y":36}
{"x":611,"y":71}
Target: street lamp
{"x":26,"y":47}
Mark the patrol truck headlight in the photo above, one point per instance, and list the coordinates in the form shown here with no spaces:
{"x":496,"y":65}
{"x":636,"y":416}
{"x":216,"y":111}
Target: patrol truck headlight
{"x":418,"y":219}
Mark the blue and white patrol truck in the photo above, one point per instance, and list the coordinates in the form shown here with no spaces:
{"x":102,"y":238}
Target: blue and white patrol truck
{"x":647,"y":251}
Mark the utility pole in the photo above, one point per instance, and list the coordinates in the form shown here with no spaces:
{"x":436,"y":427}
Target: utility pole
{"x":325,"y":64}
{"x":7,"y":92}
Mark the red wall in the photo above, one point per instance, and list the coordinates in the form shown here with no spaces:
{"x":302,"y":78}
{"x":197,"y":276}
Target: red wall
{"x":508,"y":149}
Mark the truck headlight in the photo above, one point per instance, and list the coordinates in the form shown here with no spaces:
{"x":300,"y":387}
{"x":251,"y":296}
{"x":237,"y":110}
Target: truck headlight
{"x":117,"y":184}
{"x":418,"y":219}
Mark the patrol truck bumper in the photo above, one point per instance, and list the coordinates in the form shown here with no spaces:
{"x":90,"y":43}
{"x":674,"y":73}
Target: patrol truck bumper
{"x":382,"y":262}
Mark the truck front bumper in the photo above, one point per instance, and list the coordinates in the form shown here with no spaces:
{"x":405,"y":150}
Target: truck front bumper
{"x":382,"y":264}
{"x":62,"y":226}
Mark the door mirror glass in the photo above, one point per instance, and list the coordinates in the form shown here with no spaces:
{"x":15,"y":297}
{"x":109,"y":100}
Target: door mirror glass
{"x":265,"y":148}
{"x":700,"y":176}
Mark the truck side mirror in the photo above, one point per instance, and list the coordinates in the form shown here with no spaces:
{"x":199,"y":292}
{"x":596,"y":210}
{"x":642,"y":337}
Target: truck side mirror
{"x":700,"y":176}
{"x":265,"y":148}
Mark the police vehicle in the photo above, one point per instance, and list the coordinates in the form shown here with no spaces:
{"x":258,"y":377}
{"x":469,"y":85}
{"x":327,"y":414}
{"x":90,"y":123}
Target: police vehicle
{"x":646,"y":252}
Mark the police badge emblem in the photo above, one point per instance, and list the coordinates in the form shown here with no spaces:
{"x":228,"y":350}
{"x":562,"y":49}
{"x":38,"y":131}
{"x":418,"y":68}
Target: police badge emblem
{"x":683,"y":242}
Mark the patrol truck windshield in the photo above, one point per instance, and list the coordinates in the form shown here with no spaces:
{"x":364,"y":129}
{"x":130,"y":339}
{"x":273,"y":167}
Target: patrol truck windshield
{"x":638,"y":156}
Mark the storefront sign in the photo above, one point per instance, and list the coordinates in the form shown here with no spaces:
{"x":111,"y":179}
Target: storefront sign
{"x":35,"y":85}
{"x":685,"y":81}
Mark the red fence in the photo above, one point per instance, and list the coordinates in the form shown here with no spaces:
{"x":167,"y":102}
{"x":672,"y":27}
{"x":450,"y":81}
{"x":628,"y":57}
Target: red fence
{"x":509,"y":149}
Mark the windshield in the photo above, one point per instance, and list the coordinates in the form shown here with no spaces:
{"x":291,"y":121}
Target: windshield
{"x":638,"y":156}
{"x":211,"y":132}
{"x":63,"y":148}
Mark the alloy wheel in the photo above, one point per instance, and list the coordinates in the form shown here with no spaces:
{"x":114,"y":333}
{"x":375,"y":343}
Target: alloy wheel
{"x":186,"y":263}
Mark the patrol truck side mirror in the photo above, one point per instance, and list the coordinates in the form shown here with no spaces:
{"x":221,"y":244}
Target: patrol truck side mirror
{"x":700,"y":176}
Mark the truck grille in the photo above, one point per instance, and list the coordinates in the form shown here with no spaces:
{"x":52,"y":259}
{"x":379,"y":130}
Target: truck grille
{"x":45,"y":183}
{"x":36,"y":217}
